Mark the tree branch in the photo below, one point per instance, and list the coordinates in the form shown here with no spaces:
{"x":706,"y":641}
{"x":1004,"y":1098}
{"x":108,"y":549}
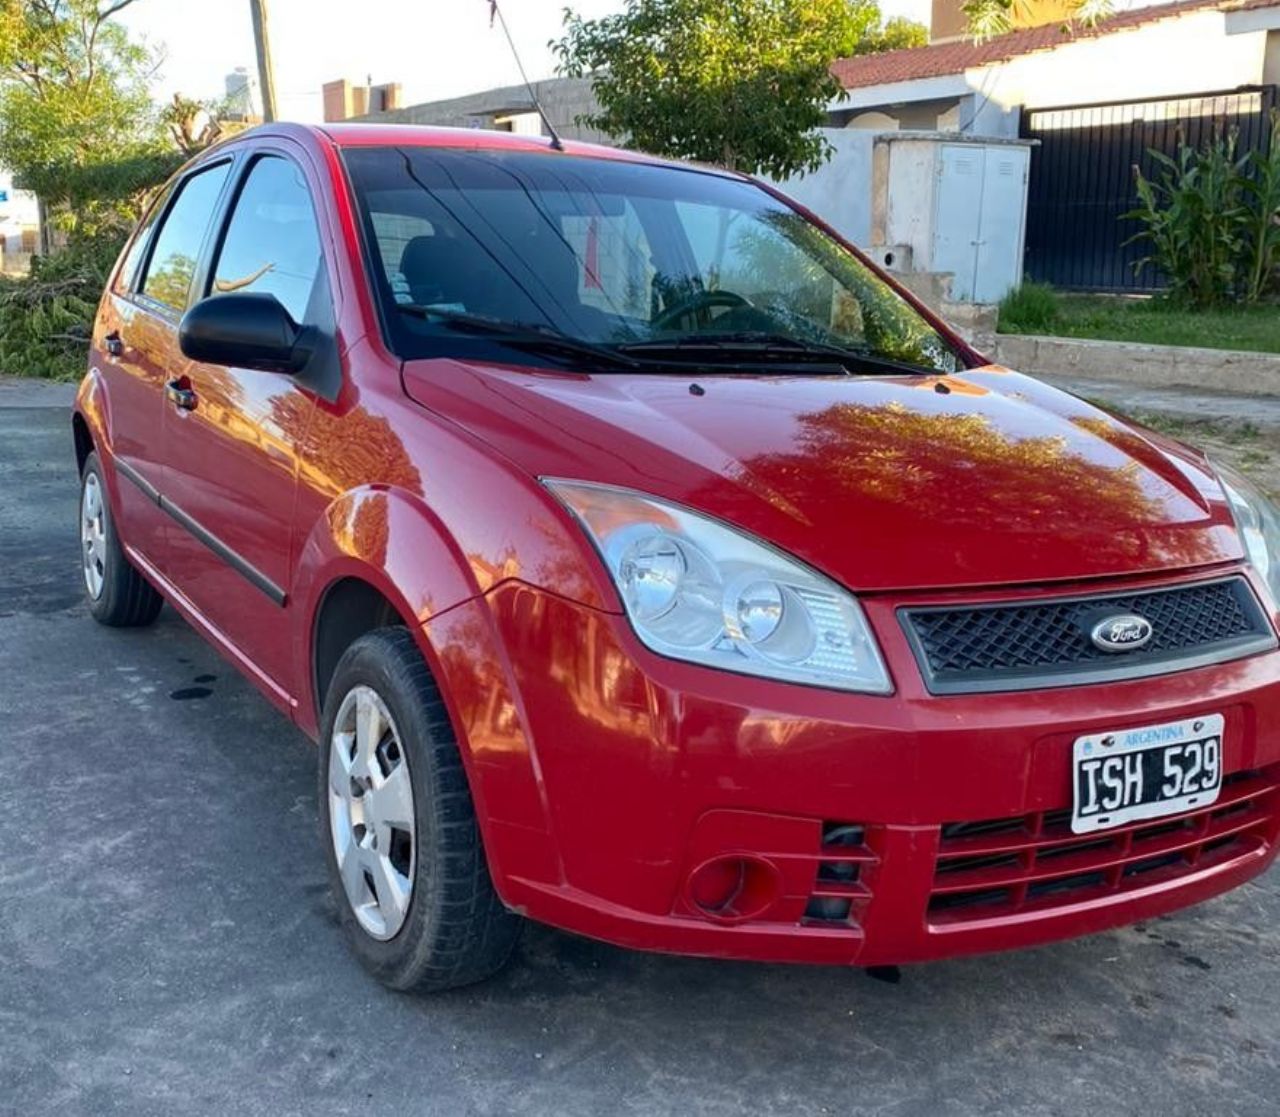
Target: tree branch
{"x":111,"y":9}
{"x":102,"y":17}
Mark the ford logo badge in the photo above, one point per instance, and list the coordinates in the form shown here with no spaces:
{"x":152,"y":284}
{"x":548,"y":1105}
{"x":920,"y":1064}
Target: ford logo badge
{"x":1123,"y":633}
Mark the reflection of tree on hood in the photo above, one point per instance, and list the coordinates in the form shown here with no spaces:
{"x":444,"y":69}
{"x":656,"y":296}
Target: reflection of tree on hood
{"x":909,"y":457}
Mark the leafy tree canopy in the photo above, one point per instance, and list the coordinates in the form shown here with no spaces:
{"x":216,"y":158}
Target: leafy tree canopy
{"x":743,"y":84}
{"x":989,"y":18}
{"x":77,"y":125}
{"x":898,"y":33}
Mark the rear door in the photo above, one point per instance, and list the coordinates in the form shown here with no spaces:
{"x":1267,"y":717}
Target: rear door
{"x":232,"y":437}
{"x":137,"y":349}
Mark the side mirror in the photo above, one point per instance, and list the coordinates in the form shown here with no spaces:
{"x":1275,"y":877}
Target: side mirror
{"x":246,"y":330}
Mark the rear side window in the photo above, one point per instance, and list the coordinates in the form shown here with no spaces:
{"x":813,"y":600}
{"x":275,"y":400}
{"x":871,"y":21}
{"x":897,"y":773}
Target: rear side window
{"x":177,"y":244}
{"x":272,"y":243}
{"x":129,"y":269}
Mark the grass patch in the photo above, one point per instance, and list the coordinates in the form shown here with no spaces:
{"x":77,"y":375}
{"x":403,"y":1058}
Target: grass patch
{"x":1036,"y":308}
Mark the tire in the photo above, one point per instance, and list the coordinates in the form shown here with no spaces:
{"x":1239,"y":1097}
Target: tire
{"x":442,"y":924}
{"x":116,"y":593}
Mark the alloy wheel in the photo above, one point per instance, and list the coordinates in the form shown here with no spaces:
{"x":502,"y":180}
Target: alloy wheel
{"x":371,"y":816}
{"x":93,"y":536}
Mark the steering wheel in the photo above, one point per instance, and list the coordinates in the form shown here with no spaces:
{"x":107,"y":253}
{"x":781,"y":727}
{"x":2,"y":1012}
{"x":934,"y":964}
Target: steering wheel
{"x":703,"y":300}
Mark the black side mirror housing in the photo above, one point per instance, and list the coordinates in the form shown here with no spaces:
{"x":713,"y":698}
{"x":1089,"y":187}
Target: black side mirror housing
{"x":245,"y":330}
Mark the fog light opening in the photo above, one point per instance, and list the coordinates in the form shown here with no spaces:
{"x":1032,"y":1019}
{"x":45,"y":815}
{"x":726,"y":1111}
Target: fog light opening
{"x":732,"y":889}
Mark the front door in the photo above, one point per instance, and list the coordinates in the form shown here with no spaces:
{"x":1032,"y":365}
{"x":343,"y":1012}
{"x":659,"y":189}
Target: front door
{"x":139,"y":348}
{"x":231,"y":433}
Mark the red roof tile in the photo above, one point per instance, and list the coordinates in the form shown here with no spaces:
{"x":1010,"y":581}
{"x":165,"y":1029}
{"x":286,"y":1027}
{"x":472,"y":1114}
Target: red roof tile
{"x":942,"y":59}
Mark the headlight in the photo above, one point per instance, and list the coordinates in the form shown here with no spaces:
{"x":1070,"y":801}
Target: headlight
{"x":1259,"y":525}
{"x":697,"y":590}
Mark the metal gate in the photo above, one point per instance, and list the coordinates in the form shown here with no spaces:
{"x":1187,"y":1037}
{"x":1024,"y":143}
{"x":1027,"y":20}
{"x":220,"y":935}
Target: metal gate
{"x":1082,"y":177}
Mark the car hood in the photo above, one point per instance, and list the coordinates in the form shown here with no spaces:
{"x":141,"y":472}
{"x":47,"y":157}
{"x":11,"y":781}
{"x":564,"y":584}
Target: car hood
{"x":987,"y":478}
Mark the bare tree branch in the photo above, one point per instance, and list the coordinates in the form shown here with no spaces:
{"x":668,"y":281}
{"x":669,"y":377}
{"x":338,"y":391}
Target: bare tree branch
{"x":111,"y":9}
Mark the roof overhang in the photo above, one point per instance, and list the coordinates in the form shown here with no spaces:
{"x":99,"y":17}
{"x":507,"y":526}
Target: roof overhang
{"x":902,"y":92}
{"x":1253,"y":19}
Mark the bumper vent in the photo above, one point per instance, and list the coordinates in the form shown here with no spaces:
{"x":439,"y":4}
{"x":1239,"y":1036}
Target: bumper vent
{"x":1046,"y":642}
{"x":1034,"y":862}
{"x":839,"y":893}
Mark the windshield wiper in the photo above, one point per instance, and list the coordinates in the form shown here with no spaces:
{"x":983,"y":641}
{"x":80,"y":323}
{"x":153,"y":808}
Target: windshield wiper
{"x":526,"y":335}
{"x":776,"y":346}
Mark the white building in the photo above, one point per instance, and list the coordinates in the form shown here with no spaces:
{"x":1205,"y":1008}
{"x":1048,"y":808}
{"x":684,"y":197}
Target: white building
{"x":1186,"y":48}
{"x":19,"y":222}
{"x":932,"y":171}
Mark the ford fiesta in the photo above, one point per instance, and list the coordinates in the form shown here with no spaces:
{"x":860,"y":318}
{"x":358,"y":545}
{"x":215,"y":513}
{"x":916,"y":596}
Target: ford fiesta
{"x":647,"y":564}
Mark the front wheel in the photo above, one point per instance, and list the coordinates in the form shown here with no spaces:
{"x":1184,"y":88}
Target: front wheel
{"x":116,"y":593}
{"x":399,"y":828}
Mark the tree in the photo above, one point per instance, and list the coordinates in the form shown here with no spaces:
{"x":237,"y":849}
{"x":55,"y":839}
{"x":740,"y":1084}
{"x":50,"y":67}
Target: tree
{"x":743,"y":84}
{"x":989,"y":18}
{"x":898,"y":33}
{"x":77,"y":125}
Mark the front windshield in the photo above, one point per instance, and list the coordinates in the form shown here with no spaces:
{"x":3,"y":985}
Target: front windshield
{"x":614,"y":254}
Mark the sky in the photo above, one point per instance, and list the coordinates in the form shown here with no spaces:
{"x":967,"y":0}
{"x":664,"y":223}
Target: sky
{"x":434,"y":48}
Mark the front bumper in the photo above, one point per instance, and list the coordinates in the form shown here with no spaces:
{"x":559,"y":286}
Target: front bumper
{"x":606,"y":776}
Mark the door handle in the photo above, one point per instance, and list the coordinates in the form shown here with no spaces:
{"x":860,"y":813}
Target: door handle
{"x":115,"y":343}
{"x":180,"y":393}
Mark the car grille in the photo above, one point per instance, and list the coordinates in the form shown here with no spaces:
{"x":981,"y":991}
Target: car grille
{"x":1046,"y":642}
{"x":1034,"y":862}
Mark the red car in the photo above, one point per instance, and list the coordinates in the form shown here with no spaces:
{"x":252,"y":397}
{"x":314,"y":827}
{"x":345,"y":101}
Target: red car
{"x":648,"y":564}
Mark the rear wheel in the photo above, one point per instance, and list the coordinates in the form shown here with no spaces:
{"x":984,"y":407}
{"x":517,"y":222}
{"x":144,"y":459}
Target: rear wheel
{"x":399,"y":828}
{"x":116,"y":593}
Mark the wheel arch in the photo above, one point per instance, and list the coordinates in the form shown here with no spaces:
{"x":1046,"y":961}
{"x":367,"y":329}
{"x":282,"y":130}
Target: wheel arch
{"x":349,"y":607}
{"x":82,"y":438}
{"x":379,"y":556}
{"x":376,"y":556}
{"x":90,"y":419}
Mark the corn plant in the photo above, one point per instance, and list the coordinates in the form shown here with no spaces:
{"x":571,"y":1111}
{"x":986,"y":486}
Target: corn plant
{"x":1262,"y":229}
{"x":1210,"y":220}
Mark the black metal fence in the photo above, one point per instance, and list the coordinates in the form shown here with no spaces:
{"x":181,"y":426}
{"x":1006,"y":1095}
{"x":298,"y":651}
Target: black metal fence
{"x":1082,"y":179}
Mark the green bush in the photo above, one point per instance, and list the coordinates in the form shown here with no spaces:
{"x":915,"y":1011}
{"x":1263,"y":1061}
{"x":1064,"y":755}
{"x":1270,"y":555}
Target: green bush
{"x":1211,"y":221}
{"x":46,"y":318}
{"x":1029,"y":309}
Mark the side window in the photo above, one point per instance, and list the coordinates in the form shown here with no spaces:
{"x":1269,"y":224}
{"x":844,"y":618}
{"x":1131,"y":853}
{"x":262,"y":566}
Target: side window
{"x":129,"y":269}
{"x":177,"y":244}
{"x":272,"y":243}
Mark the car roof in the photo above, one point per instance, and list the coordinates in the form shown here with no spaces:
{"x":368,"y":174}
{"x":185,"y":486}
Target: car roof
{"x":362,"y":134}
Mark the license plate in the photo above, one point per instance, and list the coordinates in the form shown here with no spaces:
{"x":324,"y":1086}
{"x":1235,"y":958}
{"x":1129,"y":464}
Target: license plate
{"x":1133,"y":774}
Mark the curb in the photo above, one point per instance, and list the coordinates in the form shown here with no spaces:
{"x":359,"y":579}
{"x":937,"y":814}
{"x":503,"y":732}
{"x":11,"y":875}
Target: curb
{"x":1231,"y":371}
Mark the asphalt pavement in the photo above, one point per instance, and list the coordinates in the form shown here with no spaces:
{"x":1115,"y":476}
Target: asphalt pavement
{"x":167,"y":944}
